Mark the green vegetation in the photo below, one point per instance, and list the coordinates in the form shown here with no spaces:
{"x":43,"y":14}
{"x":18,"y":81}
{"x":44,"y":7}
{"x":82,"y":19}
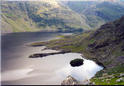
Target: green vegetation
{"x":111,"y":9}
{"x":105,"y":45}
{"x":40,"y":16}
{"x":45,"y":16}
{"x":110,"y":76}
{"x":97,"y":13}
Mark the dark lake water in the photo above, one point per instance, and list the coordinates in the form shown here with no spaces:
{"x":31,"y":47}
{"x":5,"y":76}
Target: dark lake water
{"x":13,"y":43}
{"x":18,"y":69}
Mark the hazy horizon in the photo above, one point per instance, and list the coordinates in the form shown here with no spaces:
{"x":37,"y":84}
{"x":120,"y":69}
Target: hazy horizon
{"x":65,"y":0}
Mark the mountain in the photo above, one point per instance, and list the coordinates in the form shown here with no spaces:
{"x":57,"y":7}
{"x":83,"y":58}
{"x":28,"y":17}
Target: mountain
{"x":108,"y":41}
{"x":107,"y":46}
{"x":20,"y":16}
{"x":97,"y":12}
{"x":52,"y":15}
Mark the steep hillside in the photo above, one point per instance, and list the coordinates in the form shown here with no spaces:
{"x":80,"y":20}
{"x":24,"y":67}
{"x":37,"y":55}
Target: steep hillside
{"x":108,"y":41}
{"x":107,"y":46}
{"x":97,"y":13}
{"x":39,"y":16}
{"x":15,"y":18}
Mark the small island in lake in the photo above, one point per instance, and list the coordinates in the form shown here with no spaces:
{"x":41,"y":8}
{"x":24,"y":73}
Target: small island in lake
{"x":76,"y":62}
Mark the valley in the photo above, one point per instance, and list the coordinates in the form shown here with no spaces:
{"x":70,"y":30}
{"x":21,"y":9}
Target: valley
{"x":55,"y":16}
{"x":52,"y":42}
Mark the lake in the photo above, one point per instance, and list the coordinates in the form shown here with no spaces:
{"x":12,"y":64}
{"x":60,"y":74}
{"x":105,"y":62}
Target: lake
{"x":18,"y":69}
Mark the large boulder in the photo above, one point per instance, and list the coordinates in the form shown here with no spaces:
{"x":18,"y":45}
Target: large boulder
{"x":70,"y":81}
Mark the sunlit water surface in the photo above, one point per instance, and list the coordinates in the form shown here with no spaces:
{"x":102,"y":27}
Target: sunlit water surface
{"x":18,"y":69}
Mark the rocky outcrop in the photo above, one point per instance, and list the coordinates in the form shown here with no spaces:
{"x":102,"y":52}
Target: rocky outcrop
{"x":70,"y":81}
{"x":107,"y":43}
{"x":120,"y":80}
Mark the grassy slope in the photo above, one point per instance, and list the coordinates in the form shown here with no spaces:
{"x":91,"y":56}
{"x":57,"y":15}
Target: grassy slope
{"x":15,"y":19}
{"x":97,"y":13}
{"x":35,"y":16}
{"x":105,"y":45}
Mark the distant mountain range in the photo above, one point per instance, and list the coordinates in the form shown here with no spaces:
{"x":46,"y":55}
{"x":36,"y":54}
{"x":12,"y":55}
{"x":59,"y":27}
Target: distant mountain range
{"x":97,"y":13}
{"x":52,"y":15}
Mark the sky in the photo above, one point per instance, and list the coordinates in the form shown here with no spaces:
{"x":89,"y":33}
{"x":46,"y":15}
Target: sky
{"x":64,"y":0}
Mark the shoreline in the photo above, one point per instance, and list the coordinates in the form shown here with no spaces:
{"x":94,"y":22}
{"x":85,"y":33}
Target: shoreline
{"x":61,"y":52}
{"x":66,"y":79}
{"x":40,"y":55}
{"x":5,"y":33}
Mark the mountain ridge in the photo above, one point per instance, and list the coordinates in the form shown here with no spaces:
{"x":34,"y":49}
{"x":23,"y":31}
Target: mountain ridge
{"x":21,"y":16}
{"x":97,"y":13}
{"x":40,"y":15}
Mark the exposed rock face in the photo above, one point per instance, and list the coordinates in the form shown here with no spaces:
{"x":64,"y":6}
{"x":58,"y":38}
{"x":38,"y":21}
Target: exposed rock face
{"x":70,"y":81}
{"x":108,"y":41}
{"x":120,"y":80}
